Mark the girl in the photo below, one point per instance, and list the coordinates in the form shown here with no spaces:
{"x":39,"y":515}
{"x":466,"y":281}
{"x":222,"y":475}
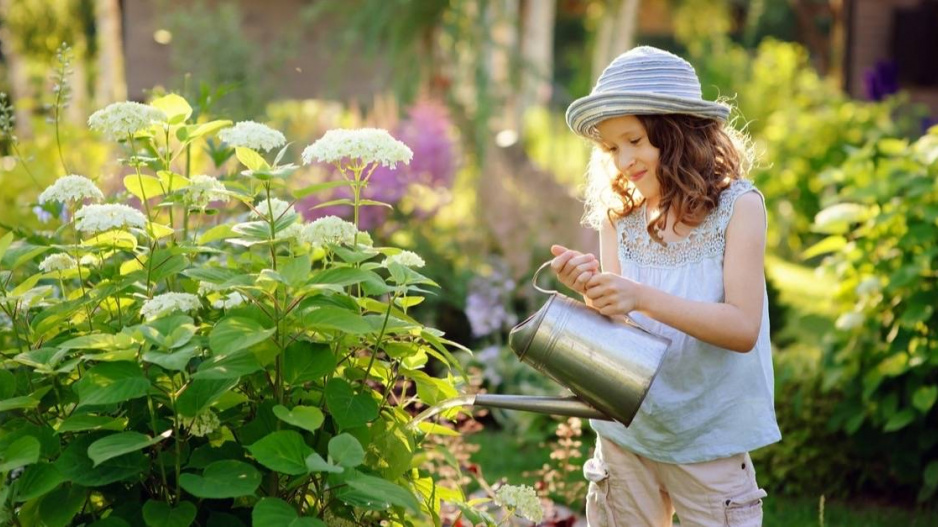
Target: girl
{"x":682,"y":241}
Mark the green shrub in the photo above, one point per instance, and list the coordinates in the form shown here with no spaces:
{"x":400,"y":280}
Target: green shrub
{"x":208,"y":357}
{"x":881,"y":228}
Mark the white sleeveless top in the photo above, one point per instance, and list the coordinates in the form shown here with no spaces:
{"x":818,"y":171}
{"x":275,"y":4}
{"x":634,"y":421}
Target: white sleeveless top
{"x":707,"y":402}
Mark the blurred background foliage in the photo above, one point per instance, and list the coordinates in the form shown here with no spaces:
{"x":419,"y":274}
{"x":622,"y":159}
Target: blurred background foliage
{"x":850,"y":185}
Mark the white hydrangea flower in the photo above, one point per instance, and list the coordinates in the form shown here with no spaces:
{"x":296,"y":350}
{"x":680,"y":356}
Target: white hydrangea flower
{"x":405,"y":258}
{"x":294,"y":230}
{"x":209,"y":287}
{"x":57,"y":262}
{"x":848,"y":321}
{"x":121,"y":119}
{"x":227,"y":302}
{"x":363,"y":238}
{"x":203,"y":190}
{"x":371,"y":145}
{"x":203,"y":424}
{"x":868,"y":286}
{"x":71,"y":188}
{"x":255,"y":136}
{"x":97,"y":218}
{"x":278,"y":206}
{"x":89,"y":260}
{"x":522,"y":500}
{"x":329,"y":229}
{"x":169,"y":302}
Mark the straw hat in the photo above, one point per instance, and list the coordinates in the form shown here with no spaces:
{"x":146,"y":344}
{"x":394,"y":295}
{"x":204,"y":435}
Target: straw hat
{"x":642,"y":81}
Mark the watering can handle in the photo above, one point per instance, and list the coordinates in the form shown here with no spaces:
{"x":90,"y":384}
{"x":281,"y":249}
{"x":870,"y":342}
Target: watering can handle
{"x":628,"y":320}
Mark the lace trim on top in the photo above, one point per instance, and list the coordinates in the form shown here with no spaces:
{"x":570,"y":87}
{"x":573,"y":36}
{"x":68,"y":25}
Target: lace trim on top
{"x":707,"y":240}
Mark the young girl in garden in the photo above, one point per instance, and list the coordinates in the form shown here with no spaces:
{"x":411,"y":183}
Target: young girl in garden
{"x":682,"y":241}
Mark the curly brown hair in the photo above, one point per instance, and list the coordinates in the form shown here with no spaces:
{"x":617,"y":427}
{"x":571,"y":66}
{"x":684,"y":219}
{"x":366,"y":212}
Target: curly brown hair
{"x":699,"y":158}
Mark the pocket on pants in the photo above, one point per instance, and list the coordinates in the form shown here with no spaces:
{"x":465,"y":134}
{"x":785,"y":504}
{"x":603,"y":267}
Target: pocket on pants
{"x":744,"y":510}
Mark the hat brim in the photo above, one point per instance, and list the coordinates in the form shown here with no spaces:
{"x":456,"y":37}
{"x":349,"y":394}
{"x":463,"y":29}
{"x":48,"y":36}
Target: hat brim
{"x":585,"y":113}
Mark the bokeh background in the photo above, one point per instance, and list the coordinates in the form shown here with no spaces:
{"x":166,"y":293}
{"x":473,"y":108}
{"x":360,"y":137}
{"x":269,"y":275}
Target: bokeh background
{"x":839,"y":97}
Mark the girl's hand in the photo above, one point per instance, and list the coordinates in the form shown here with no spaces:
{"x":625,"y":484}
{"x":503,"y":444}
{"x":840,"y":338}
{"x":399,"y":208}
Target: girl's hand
{"x":613,"y":295}
{"x":573,"y":268}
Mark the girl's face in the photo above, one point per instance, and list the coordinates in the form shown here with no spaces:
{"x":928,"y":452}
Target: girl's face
{"x":626,"y":141}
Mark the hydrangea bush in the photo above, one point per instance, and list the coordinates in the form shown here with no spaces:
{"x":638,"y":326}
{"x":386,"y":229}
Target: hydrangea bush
{"x":196,"y":354}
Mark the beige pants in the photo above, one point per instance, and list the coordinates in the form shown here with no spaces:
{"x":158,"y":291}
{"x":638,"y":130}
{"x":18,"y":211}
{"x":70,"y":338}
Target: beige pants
{"x":628,"y":490}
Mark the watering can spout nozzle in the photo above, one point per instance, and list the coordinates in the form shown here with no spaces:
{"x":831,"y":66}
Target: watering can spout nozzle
{"x":567,"y":406}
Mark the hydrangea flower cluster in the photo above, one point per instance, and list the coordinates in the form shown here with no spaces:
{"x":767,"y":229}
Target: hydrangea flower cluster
{"x":122,"y":119}
{"x":203,"y":190}
{"x":97,"y":218}
{"x":370,"y":145}
{"x":167,"y":303}
{"x":256,"y":136}
{"x":330,"y":229}
{"x":405,"y":258}
{"x":265,"y":207}
{"x":203,"y":424}
{"x":57,"y":262}
{"x":233,"y":299}
{"x":71,"y":188}
{"x":522,"y":500}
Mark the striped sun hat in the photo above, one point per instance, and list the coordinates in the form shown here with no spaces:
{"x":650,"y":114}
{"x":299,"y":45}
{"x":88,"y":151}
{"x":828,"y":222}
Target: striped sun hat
{"x":642,"y":81}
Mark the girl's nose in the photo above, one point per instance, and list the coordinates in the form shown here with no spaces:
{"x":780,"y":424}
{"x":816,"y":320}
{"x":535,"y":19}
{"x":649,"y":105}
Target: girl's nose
{"x":625,"y":162}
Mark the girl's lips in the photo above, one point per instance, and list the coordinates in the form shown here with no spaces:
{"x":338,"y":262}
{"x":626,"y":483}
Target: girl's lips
{"x":639,"y":175}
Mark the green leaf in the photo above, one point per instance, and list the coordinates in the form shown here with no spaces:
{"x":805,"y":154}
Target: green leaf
{"x":931,"y":474}
{"x":209,"y":128}
{"x":110,"y":521}
{"x":19,"y":403}
{"x":228,"y":366}
{"x":349,"y":409}
{"x":115,"y":239}
{"x":160,"y":514}
{"x":176,"y":108}
{"x":345,"y":450}
{"x":219,"y":232}
{"x":315,"y":463}
{"x":251,"y":159}
{"x":305,"y":361}
{"x":166,"y":264}
{"x":827,"y":245}
{"x":158,"y":231}
{"x":372,"y":492}
{"x":24,"y":451}
{"x":5,"y":244}
{"x":899,"y":420}
{"x":201,"y":393}
{"x":342,"y":201}
{"x":222,"y":479}
{"x":176,"y":361}
{"x":58,"y":508}
{"x":78,"y":468}
{"x":336,"y":319}
{"x":143,"y":186}
{"x":282,"y":451}
{"x":86,"y":422}
{"x":346,"y":276}
{"x":306,"y":417}
{"x":274,"y":512}
{"x":318,"y":187}
{"x":37,"y":480}
{"x":296,"y":270}
{"x":232,"y":334}
{"x":172,"y":181}
{"x":924,"y":398}
{"x":99,"y":341}
{"x":119,"y":444}
{"x":7,"y":384}
{"x":373,"y":203}
{"x":111,"y":382}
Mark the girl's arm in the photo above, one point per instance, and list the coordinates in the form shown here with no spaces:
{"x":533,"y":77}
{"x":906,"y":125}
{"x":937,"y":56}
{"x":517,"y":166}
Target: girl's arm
{"x":733,"y":324}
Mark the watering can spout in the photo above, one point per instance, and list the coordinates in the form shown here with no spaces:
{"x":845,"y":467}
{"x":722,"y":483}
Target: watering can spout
{"x":567,"y":406}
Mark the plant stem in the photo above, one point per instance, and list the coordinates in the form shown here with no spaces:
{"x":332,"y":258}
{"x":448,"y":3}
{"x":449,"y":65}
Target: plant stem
{"x":143,"y":192}
{"x":375,"y":352}
{"x":162,"y":468}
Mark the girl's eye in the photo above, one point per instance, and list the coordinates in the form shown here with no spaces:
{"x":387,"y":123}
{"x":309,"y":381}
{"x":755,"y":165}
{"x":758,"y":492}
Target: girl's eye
{"x":609,"y":149}
{"x":636,"y":141}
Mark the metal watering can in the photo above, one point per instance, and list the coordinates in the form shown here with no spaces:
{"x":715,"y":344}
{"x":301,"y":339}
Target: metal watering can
{"x":608,"y":365}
